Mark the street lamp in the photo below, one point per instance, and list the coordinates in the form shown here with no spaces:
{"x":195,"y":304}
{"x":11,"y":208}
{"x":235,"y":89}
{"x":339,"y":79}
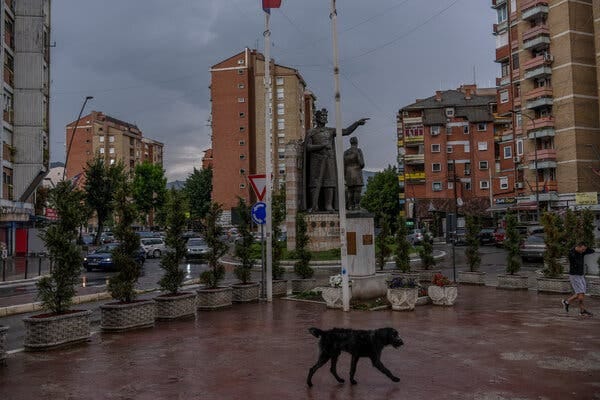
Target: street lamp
{"x":73,"y":134}
{"x":537,"y":189}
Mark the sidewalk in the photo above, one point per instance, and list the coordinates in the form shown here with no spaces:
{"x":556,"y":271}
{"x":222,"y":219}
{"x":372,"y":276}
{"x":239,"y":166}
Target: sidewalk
{"x":492,"y":344}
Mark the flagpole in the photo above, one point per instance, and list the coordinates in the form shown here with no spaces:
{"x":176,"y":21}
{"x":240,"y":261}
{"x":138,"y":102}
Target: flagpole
{"x":268,"y":163}
{"x":339,"y":149}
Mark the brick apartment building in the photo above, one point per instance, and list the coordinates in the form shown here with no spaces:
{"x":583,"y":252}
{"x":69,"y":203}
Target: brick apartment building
{"x":25,"y":51}
{"x":446,"y":150}
{"x":238,"y":123}
{"x":115,"y":140}
{"x":547,"y":95}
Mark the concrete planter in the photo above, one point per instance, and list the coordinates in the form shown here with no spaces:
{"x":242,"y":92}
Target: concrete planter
{"x":442,"y":295}
{"x":403,"y":299}
{"x":117,"y":317}
{"x":553,"y":285}
{"x":44,"y":333}
{"x":245,"y":293}
{"x":426,"y":275}
{"x":280,"y":288}
{"x":182,"y":305}
{"x":333,"y":296}
{"x":518,"y":282}
{"x":213,"y":299}
{"x":3,"y":354}
{"x":593,"y":288}
{"x":471,"y":278}
{"x":413,"y":276}
{"x":303,"y":285}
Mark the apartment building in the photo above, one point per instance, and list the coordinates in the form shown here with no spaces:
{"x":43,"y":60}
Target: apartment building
{"x":238,"y":123}
{"x":446,"y":151}
{"x":547,"y":94}
{"x":98,"y":134}
{"x":25,"y":52}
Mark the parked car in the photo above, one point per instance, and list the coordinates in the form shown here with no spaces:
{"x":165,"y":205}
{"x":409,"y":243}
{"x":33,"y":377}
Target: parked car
{"x":499,"y":234}
{"x":417,"y":236}
{"x":486,"y":236}
{"x":153,"y":247}
{"x":533,"y":248}
{"x":102,"y":257}
{"x":459,"y":238}
{"x":535,"y":230}
{"x":107,"y":237}
{"x":196,"y":248}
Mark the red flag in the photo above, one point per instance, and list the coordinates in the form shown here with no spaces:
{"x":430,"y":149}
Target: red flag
{"x":268,"y":4}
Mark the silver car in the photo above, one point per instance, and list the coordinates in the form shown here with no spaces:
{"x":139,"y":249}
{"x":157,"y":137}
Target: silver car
{"x":533,"y":248}
{"x":196,"y":248}
{"x":154,"y":247}
{"x":417,"y":236}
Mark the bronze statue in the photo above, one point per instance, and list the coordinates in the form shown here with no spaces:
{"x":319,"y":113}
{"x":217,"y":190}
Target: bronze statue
{"x":354,"y":162}
{"x":319,"y":167}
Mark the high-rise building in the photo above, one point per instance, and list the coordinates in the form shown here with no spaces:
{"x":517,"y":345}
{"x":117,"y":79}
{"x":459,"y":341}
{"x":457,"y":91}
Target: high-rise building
{"x":446,"y":152}
{"x":238,"y":123}
{"x":117,"y":141}
{"x":548,"y":91}
{"x":25,"y":51}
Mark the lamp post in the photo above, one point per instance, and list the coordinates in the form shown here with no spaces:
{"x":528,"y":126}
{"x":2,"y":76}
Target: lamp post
{"x":73,"y":134}
{"x":535,"y":164}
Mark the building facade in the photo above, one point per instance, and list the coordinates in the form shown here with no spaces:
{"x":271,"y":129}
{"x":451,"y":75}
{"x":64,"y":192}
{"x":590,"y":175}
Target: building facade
{"x":101,"y":135}
{"x":548,"y":110}
{"x":25,"y":155}
{"x":238,"y":123}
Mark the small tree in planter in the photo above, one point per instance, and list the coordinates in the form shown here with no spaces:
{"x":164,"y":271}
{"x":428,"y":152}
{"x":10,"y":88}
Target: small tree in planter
{"x":472,"y":253}
{"x":402,"y":247}
{"x":382,"y":242}
{"x":56,"y":291}
{"x":302,"y":267}
{"x":513,"y":259}
{"x":278,"y":216}
{"x":246,"y":290}
{"x":587,"y":228}
{"x":570,"y":233}
{"x":553,"y":269}
{"x":427,"y":259}
{"x":174,"y":304}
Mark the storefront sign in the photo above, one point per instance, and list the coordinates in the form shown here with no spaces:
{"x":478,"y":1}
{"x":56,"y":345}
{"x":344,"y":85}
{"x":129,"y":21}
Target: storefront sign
{"x":586,"y":198}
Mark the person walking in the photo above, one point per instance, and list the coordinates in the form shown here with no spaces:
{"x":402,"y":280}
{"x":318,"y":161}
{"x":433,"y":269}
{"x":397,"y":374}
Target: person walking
{"x":576,"y":255}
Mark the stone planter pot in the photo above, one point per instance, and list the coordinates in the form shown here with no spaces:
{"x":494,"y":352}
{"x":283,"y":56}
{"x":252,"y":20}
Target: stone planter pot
{"x":426,"y":275}
{"x":3,"y":354}
{"x":333,"y":296}
{"x":245,"y":293}
{"x":182,"y":305}
{"x":213,"y":299}
{"x":44,"y":333}
{"x":117,"y":317}
{"x":593,"y":288}
{"x":471,"y":278}
{"x":280,"y":288}
{"x":553,"y":285}
{"x":414,"y":276}
{"x":303,"y":285}
{"x":518,"y":282}
{"x":442,"y":295}
{"x":403,"y":299}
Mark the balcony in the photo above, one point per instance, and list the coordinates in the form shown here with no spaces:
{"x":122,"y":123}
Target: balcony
{"x":539,"y":97}
{"x":411,"y":141}
{"x":536,"y":38}
{"x":540,"y":127}
{"x":534,"y":9}
{"x":538,"y":67}
{"x":503,"y":81}
{"x":414,"y":159}
{"x":546,"y":186}
{"x":502,"y":53}
{"x":546,"y":158}
{"x":499,"y":28}
{"x":498,"y":3}
{"x":415,"y":176}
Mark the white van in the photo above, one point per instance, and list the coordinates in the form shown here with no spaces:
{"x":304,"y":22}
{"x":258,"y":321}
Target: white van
{"x":154,"y":247}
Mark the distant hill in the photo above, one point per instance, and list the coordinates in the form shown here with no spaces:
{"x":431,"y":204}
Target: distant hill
{"x":56,"y":164}
{"x":178,"y":185}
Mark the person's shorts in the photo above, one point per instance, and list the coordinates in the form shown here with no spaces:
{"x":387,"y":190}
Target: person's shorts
{"x":578,"y":283}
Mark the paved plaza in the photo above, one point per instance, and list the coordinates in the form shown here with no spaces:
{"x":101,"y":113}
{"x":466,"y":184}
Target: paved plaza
{"x":492,"y":344}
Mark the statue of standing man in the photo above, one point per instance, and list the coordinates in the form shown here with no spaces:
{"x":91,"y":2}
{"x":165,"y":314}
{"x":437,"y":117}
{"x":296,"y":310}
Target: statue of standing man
{"x":320,"y":165}
{"x":354,"y":163}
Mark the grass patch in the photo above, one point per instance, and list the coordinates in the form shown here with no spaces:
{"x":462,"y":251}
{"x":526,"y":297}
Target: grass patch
{"x":309,"y":295}
{"x":366,"y":305}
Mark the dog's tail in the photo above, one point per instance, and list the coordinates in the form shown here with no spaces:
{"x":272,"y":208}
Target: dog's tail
{"x":315,"y":332}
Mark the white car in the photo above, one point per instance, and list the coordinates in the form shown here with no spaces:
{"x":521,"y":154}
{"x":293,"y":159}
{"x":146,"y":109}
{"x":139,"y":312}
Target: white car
{"x":196,"y":248}
{"x":154,"y":247}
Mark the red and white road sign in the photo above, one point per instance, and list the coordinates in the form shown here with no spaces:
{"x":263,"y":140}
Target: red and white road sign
{"x":259,"y":185}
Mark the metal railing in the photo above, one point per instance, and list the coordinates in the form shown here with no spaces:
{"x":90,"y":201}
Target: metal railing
{"x":25,"y":267}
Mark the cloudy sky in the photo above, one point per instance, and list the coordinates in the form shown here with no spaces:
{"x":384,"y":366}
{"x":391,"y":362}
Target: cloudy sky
{"x":147,"y":61}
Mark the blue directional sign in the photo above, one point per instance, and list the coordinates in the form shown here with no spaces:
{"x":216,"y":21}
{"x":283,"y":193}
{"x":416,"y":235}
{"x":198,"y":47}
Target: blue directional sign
{"x":259,"y":213}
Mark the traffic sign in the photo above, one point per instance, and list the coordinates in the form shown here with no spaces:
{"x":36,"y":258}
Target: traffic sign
{"x":259,"y":184}
{"x":259,"y":213}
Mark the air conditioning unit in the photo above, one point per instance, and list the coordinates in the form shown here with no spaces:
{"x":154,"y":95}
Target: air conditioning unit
{"x":519,"y":185}
{"x":548,"y":57}
{"x":517,"y":160}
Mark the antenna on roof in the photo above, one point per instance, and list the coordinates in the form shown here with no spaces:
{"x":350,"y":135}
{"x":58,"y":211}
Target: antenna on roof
{"x":474,"y":75}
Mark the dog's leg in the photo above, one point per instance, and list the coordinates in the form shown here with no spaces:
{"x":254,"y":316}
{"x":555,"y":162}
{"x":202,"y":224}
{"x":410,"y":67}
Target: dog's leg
{"x":353,"y":368}
{"x":379,"y":365}
{"x":323,"y":358}
{"x":333,"y":368}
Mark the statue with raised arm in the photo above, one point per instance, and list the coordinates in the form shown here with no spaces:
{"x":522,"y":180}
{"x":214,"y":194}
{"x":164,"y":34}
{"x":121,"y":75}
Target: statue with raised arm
{"x":354,"y":163}
{"x":320,"y":166}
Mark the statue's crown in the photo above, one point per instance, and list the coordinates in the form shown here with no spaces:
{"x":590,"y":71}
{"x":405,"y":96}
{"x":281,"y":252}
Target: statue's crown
{"x":321,"y":112}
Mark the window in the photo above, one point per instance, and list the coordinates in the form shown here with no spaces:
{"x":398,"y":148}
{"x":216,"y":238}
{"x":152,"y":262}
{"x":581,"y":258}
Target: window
{"x":484,"y":184}
{"x":280,"y":123}
{"x":101,"y":150}
{"x":504,"y":96}
{"x":467,"y":148}
{"x":467,"y":168}
{"x":450,"y":185}
{"x":466,"y":129}
{"x":242,"y":142}
{"x":448,"y":149}
{"x":281,"y":156}
{"x":502,"y":13}
{"x":242,"y":128}
{"x":280,"y":109}
{"x":279,"y":80}
{"x":503,"y":183}
{"x":467,"y":185}
{"x":242,"y":171}
{"x":241,"y":86}
{"x":241,"y":100}
{"x":101,"y":138}
{"x":520,"y":147}
{"x":435,"y":130}
{"x":279,"y":93}
{"x":242,"y":186}
{"x":240,"y":72}
{"x":450,"y":166}
{"x":507,"y":152}
{"x":242,"y":156}
{"x":242,"y":115}
{"x":481,"y":127}
{"x":436,"y":186}
{"x":435,"y":148}
{"x":482,"y":146}
{"x":111,"y":150}
{"x":436,"y":167}
{"x":483,"y":165}
{"x":449,"y":112}
{"x":112,"y":161}
{"x":448,"y":130}
{"x":241,"y":61}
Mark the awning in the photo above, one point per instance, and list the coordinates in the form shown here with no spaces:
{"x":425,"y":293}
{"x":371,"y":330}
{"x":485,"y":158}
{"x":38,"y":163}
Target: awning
{"x":525,"y":206}
{"x":498,"y":208}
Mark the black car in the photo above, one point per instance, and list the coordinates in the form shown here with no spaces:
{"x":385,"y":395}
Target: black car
{"x":102,"y":258}
{"x":486,"y":236}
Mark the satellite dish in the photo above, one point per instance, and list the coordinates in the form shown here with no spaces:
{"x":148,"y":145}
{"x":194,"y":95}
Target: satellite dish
{"x":459,"y":202}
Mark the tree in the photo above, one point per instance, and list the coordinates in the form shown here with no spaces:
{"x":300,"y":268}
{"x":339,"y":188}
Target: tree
{"x":243,"y":247}
{"x":302,"y":267}
{"x":381,"y":196}
{"x":587,"y":227}
{"x":213,"y":232}
{"x":472,"y":250}
{"x":554,"y":249}
{"x":382,"y":242}
{"x":198,"y":188}
{"x":101,"y":183}
{"x":511,"y":244}
{"x":402,"y":247}
{"x":173,"y":276}
{"x":56,"y":291}
{"x":426,"y":254}
{"x":277,"y":218}
{"x":149,"y":188}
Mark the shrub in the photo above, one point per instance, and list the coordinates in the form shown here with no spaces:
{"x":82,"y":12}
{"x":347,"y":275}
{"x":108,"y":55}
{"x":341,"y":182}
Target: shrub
{"x":511,"y":244}
{"x":440,"y":280}
{"x":243,"y":248}
{"x":554,"y":250}
{"x":173,"y":276}
{"x":213,"y":232}
{"x":426,"y":254}
{"x":472,"y":250}
{"x":399,"y":282}
{"x":302,"y":267}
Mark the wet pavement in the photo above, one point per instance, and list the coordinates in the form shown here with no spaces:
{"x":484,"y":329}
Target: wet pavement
{"x":491,"y":345}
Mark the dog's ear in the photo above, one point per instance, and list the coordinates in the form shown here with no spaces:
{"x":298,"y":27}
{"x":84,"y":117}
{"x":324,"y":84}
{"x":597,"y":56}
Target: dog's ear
{"x":315,"y":332}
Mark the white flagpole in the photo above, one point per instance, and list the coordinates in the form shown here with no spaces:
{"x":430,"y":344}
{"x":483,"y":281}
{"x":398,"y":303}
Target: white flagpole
{"x":268,"y":163}
{"x":339,"y":149}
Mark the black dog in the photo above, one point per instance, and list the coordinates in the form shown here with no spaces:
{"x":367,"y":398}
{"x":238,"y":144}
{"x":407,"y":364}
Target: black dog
{"x":356,"y":342}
